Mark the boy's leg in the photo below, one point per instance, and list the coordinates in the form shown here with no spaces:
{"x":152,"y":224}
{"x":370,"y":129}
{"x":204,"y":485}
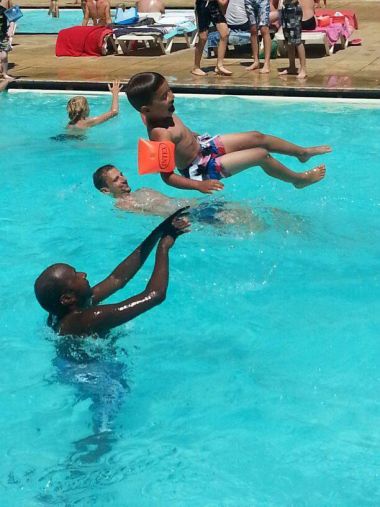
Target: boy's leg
{"x":292,"y":69}
{"x":267,"y":49}
{"x":253,"y":139}
{"x":302,"y":56}
{"x":234,"y":163}
{"x":202,"y":39}
{"x":255,"y":49}
{"x":222,"y":47}
{"x":203,"y":16}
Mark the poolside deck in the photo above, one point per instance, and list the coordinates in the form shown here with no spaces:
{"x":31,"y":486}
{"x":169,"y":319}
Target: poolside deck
{"x":354,"y":71}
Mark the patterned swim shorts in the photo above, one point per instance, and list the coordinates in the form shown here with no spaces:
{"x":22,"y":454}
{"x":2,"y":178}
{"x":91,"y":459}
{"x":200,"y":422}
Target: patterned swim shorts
{"x":258,"y":12}
{"x":291,"y":18}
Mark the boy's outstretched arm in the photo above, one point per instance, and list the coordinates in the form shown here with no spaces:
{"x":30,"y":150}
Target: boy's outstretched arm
{"x":205,"y":186}
{"x":127,"y":269}
{"x":115,"y":89}
{"x":102,"y":318}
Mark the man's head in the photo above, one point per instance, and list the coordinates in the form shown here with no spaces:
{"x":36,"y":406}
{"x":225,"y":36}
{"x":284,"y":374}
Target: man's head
{"x":149,"y":93}
{"x":110,"y":180}
{"x":60,"y":287}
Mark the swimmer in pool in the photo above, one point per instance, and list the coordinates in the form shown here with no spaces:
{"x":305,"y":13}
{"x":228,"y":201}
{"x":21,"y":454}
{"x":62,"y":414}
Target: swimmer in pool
{"x":73,"y":304}
{"x":99,"y":11}
{"x":79,"y":110}
{"x":110,"y":181}
{"x":204,"y":160}
{"x":53,"y":9}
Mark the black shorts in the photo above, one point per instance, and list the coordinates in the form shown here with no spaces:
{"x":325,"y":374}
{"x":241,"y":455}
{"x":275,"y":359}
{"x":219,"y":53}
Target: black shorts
{"x":309,"y":24}
{"x":208,"y":12}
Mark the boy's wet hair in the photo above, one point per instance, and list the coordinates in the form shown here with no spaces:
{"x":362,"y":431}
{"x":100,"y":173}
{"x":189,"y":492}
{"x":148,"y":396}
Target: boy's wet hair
{"x":77,"y":108}
{"x":49,"y":288}
{"x":142,"y":88}
{"x":99,"y":176}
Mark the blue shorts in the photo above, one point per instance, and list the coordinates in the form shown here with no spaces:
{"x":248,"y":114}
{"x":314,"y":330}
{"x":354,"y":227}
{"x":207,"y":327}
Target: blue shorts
{"x":207,"y":165}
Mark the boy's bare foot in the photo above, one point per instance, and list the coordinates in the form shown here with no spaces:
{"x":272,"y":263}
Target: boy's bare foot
{"x":222,"y":71}
{"x":312,"y":152}
{"x":288,"y":72}
{"x":8,"y":77}
{"x":198,"y":72}
{"x":301,"y":74}
{"x":312,"y":176}
{"x":254,"y":66}
{"x":265,"y":69}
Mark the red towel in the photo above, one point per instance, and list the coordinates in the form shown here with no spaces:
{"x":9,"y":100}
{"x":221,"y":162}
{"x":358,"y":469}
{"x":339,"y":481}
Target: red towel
{"x":350,"y":15}
{"x":81,"y":41}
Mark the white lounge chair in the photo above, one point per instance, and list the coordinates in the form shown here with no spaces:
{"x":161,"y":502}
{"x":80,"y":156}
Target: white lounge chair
{"x":173,"y":24}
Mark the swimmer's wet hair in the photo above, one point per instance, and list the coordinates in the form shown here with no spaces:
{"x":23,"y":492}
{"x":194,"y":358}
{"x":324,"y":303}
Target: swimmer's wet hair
{"x":49,"y":288}
{"x":142,"y":88}
{"x":99,"y":176}
{"x":77,"y":109}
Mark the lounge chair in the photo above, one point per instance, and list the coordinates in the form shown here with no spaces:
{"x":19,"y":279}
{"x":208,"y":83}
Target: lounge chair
{"x":162,"y":33}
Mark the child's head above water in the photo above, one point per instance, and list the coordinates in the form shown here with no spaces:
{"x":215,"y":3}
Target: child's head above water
{"x":149,"y":93}
{"x":77,"y":109}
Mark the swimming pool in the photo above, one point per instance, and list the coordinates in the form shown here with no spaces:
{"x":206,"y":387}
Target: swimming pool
{"x":256,"y":382}
{"x":38,"y":21}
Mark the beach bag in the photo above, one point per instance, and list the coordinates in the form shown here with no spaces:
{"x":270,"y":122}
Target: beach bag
{"x":127,"y":16}
{"x":13,"y":14}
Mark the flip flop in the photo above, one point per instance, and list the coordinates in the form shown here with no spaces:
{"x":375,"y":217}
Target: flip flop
{"x":355,"y":42}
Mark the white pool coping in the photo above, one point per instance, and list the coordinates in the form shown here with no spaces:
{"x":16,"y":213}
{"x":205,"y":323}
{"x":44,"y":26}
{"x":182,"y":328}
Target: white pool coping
{"x":254,"y":98}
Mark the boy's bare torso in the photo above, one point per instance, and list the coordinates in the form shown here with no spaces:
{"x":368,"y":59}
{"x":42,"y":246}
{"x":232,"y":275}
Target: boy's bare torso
{"x":186,"y":144}
{"x":98,"y":11}
{"x":307,"y":9}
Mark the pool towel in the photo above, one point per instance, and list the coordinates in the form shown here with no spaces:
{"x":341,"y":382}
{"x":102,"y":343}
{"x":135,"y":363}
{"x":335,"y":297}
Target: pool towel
{"x":81,"y":41}
{"x":350,"y":15}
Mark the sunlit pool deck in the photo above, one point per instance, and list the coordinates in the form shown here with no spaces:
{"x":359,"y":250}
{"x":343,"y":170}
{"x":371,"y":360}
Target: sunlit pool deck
{"x":352,"y":72}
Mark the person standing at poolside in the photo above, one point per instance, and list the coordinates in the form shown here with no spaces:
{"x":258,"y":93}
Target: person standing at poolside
{"x":99,"y":11}
{"x":207,"y":12}
{"x":292,"y":24}
{"x":5,"y":42}
{"x":54,"y":9}
{"x":258,"y":13}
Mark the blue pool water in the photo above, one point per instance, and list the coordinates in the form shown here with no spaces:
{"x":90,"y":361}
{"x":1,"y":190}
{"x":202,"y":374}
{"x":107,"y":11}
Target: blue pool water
{"x":256,"y":383}
{"x":38,"y":21}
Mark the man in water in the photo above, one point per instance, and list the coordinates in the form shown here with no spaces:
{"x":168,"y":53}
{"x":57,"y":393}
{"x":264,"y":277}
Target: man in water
{"x":97,"y":10}
{"x":110,"y":181}
{"x":73,"y":304}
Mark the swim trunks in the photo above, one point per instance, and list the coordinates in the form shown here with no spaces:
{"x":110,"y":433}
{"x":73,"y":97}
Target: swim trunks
{"x":207,"y":212}
{"x":207,"y":165}
{"x":207,"y":12}
{"x":258,"y":12}
{"x":309,"y":24}
{"x":291,"y":17}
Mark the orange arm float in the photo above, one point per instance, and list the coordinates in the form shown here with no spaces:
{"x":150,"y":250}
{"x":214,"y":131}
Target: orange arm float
{"x":155,"y":156}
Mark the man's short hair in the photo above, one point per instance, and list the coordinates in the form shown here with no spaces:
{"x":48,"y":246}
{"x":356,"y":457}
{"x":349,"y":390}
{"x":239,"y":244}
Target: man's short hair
{"x":142,"y":87}
{"x":100,"y":176}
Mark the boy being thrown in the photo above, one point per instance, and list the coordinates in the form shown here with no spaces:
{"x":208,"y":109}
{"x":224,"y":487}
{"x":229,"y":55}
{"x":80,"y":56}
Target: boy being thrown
{"x":202,"y":160}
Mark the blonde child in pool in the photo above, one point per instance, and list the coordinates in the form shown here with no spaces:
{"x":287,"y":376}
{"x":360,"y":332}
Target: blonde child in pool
{"x":79,"y":110}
